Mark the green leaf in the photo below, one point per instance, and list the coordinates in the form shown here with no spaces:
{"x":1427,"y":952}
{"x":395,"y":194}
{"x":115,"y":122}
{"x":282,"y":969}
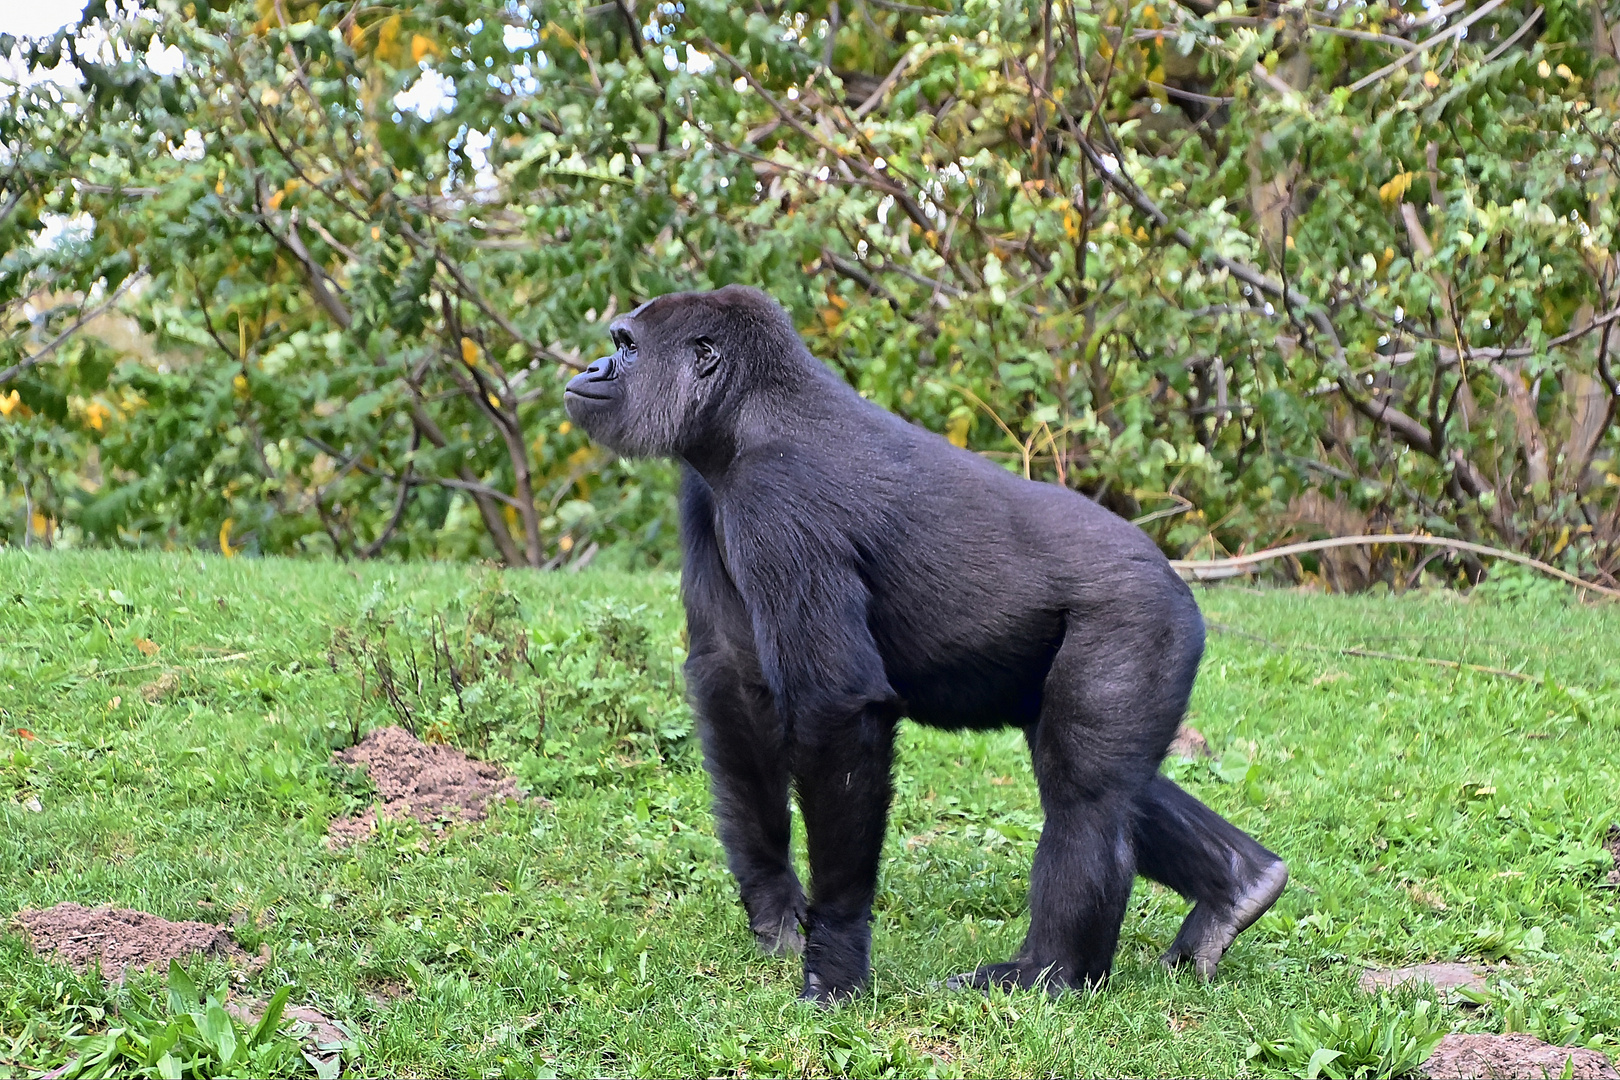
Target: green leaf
{"x":265,"y":1029}
{"x":1320,"y":1060}
{"x":183,"y":996}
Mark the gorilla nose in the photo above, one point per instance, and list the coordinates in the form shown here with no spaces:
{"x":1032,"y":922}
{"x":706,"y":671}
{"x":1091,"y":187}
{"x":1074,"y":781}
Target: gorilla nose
{"x":582,"y":384}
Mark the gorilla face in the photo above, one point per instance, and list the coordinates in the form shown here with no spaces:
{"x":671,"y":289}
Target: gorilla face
{"x":647,"y":398}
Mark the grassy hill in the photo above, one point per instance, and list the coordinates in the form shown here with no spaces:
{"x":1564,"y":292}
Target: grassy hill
{"x":167,"y":723}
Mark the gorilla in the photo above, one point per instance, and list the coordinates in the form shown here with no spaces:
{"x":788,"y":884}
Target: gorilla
{"x":844,"y":569}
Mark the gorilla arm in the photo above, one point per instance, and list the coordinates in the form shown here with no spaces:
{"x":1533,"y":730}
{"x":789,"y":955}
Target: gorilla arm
{"x":799,"y":580}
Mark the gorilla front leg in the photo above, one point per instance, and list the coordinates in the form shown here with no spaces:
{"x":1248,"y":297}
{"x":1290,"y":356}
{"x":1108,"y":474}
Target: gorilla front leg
{"x":841,"y":769}
{"x":748,"y":776}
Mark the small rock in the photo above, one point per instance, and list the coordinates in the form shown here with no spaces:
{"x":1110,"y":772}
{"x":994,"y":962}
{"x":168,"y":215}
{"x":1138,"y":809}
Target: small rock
{"x":1189,"y":743}
{"x":1512,"y":1057}
{"x":1443,"y":977}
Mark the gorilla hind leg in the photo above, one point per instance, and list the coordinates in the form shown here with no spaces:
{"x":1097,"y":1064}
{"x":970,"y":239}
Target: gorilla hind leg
{"x":1092,"y":754}
{"x":1232,"y":880}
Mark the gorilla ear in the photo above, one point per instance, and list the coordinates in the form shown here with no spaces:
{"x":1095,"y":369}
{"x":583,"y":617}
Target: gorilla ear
{"x":708,"y":357}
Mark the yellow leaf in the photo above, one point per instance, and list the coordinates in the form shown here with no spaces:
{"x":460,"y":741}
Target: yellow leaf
{"x":1397,"y":187}
{"x":957,"y":430}
{"x":469,"y":352}
{"x":270,"y":97}
{"x":564,"y":428}
{"x":95,"y":414}
{"x":494,"y":402}
{"x":147,"y":646}
{"x":1071,"y":225}
{"x":219,"y":185}
{"x":376,"y":233}
{"x":1290,"y":242}
{"x":566,"y":543}
{"x":240,"y":385}
{"x":1544,"y":69}
{"x":1431,"y":79}
{"x":275,"y":199}
{"x":420,"y":47}
{"x":40,"y":524}
{"x":225,"y":548}
{"x":388,"y":39}
{"x":1564,"y":72}
{"x":1563,"y":542}
{"x":9,"y":403}
{"x":510,"y":513}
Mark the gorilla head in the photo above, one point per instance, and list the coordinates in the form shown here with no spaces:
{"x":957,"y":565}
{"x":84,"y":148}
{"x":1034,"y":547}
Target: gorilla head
{"x":684,"y":368}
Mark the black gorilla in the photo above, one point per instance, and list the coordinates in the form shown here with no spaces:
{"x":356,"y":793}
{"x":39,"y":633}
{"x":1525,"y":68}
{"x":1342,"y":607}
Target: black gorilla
{"x":844,"y":569}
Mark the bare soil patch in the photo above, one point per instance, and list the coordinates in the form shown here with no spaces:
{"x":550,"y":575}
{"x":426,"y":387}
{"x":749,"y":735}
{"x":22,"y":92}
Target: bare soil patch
{"x":119,"y":938}
{"x":1189,"y":743}
{"x":429,"y":782}
{"x":1443,"y":977}
{"x":1512,"y":1057}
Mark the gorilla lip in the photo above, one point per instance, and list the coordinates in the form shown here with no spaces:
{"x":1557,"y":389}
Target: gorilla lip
{"x":580,"y":394}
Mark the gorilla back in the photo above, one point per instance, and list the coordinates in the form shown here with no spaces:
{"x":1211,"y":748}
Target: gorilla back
{"x":844,"y":569}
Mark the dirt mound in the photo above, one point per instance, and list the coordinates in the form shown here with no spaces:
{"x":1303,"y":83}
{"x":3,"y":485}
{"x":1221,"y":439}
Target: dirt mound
{"x":1189,"y":743}
{"x":1512,"y":1057}
{"x":1443,"y":977}
{"x":118,"y":938}
{"x":421,"y":780}
{"x":1612,"y":846}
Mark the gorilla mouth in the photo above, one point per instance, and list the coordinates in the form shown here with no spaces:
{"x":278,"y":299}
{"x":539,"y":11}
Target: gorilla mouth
{"x":568,"y":390}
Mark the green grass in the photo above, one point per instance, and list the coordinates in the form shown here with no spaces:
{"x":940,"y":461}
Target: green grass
{"x":1426,"y":814}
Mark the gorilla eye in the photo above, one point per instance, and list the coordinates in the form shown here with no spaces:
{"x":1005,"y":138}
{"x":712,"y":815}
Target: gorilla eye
{"x":624,"y":341}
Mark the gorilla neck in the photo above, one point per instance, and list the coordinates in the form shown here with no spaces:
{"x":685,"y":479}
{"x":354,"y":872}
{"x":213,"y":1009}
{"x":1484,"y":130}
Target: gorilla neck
{"x":796,"y":398}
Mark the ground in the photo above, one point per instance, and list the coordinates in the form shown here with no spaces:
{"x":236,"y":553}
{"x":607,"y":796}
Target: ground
{"x":166,"y":730}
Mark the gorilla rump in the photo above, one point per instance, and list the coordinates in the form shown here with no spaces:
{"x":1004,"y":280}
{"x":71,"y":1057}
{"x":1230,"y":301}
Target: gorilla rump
{"x":844,"y":569}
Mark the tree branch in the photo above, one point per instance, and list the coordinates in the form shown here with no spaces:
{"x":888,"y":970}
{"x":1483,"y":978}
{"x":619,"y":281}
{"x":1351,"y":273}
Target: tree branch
{"x":51,"y":346}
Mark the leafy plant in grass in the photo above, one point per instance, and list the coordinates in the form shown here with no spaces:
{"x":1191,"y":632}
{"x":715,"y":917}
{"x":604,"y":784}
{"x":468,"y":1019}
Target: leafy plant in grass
{"x":1559,"y":1018}
{"x":1392,"y":1041}
{"x":193,"y":1037}
{"x":565,"y":705}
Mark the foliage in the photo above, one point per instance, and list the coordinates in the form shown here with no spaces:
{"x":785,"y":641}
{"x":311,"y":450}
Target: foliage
{"x":592,"y":704}
{"x":1240,"y":271}
{"x":189,"y":1036}
{"x":1393,"y":1041}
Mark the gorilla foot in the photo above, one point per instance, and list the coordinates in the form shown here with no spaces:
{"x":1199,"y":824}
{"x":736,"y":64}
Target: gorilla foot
{"x":778,"y":923}
{"x":1209,"y":931}
{"x":1019,"y":975}
{"x":818,"y":992}
{"x":784,"y":937}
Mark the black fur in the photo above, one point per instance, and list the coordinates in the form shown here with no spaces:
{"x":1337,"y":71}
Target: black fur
{"x":845,"y":569}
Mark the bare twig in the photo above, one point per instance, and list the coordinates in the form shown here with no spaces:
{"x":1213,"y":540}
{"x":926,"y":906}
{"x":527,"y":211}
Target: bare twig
{"x":1523,"y":29}
{"x":1374,"y":654}
{"x":1425,"y":45}
{"x":51,"y":346}
{"x":1216,"y":569}
{"x":875,"y":99}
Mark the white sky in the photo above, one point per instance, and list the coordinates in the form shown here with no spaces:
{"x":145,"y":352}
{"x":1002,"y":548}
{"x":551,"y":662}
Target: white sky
{"x":31,"y":18}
